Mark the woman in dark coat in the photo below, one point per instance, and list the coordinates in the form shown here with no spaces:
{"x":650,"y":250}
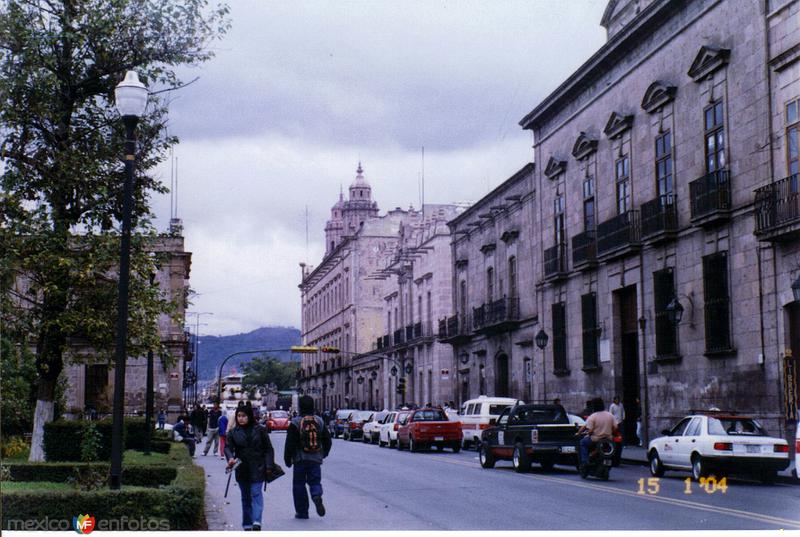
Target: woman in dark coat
{"x":249,"y":442}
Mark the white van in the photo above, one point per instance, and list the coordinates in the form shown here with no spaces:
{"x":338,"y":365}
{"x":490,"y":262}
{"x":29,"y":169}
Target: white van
{"x":475,"y":415}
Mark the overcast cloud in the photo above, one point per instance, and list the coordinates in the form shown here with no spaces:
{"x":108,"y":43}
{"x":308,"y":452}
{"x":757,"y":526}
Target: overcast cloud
{"x":299,"y":92}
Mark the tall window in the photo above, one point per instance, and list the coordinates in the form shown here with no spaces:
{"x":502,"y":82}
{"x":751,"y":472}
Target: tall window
{"x":558,"y":218}
{"x":666,"y":331}
{"x":559,"y":312}
{"x":463,"y":300}
{"x":489,"y":284}
{"x":430,"y":308}
{"x":715,"y":137}
{"x":419,"y":309}
{"x":588,"y":204}
{"x":622,"y":174}
{"x":664,"y":167}
{"x":512,"y":277}
{"x":717,"y":302}
{"x":590,"y":330}
{"x":792,"y":142}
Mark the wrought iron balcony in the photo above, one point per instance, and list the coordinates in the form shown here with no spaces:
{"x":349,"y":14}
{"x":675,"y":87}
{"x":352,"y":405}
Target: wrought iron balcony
{"x":409,"y":332}
{"x":397,"y":338}
{"x":660,"y":218}
{"x":456,"y":329}
{"x":496,"y":316}
{"x":379,"y":344}
{"x":711,"y":198}
{"x":417,"y":330}
{"x":443,"y":327}
{"x":555,"y":262}
{"x":584,"y":250}
{"x":778,"y":210}
{"x":478,"y":316}
{"x":386,"y":341}
{"x":618,"y":236}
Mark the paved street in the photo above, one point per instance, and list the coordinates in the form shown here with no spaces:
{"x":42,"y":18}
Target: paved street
{"x":367,"y":487}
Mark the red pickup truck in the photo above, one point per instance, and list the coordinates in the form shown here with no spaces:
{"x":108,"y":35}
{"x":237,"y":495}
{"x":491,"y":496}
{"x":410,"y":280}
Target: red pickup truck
{"x":427,"y":427}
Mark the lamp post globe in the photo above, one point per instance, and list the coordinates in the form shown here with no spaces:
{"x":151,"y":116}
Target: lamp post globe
{"x":674,"y":311}
{"x":394,"y":371}
{"x":130,"y":96}
{"x":541,"y":339}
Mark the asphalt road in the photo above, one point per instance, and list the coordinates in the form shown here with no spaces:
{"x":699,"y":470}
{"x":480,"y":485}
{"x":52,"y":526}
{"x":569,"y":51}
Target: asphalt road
{"x":372,"y":488}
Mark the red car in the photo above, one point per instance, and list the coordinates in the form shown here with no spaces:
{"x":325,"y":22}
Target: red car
{"x":277,"y":420}
{"x":428,"y":427}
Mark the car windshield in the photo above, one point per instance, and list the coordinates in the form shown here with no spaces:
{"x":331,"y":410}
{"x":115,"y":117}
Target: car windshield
{"x":496,"y":410}
{"x":429,"y":415}
{"x":282,"y":414}
{"x":541,"y":415}
{"x":343,"y":414}
{"x":362,"y":416}
{"x":380,"y":416}
{"x":735,"y":427}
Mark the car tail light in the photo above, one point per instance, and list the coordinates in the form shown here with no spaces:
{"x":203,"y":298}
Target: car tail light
{"x":723,"y":446}
{"x":780,"y":448}
{"x":482,"y":426}
{"x":353,"y":425}
{"x":396,"y":427}
{"x":797,"y":447}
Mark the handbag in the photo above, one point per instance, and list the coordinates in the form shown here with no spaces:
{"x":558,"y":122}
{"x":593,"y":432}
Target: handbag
{"x":273,"y":472}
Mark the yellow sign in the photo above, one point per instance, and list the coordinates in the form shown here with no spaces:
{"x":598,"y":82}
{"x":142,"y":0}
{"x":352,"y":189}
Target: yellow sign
{"x":303,"y":349}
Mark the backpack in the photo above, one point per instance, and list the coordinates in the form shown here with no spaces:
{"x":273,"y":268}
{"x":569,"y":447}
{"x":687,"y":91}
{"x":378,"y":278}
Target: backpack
{"x":310,"y":434}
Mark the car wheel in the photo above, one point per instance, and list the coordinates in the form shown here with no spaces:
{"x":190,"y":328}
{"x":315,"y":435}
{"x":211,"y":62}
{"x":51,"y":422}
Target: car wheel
{"x":456,"y":447}
{"x":399,"y":444}
{"x":656,"y":467}
{"x":520,"y":459}
{"x":412,"y":446}
{"x":486,"y":457}
{"x":698,"y":467}
{"x":548,"y":466}
{"x":478,"y":445}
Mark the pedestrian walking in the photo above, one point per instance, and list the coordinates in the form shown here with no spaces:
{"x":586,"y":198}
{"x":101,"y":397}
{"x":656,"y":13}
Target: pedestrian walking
{"x":196,"y":418}
{"x":618,"y":411}
{"x":213,"y":429}
{"x":183,"y":433}
{"x":249,"y":443}
{"x":162,"y":418}
{"x":203,"y":420}
{"x":223,"y":429}
{"x":308,"y":442}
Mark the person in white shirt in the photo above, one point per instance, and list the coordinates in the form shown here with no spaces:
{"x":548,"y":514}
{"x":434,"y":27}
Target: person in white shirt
{"x":618,"y":411}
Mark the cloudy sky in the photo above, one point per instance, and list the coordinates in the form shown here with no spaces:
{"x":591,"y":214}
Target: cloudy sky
{"x":299,"y":92}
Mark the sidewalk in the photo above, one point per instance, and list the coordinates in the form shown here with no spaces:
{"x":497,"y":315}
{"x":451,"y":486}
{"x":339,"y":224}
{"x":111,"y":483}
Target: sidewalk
{"x":638,"y":455}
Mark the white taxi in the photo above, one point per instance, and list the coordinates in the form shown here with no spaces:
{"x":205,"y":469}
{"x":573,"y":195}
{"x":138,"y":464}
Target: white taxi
{"x":718,"y":443}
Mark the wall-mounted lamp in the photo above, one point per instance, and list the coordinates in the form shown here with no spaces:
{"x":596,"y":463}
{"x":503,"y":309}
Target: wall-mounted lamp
{"x":675,"y":310}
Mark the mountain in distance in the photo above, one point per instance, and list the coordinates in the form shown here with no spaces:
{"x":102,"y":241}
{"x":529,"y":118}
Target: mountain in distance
{"x":214,"y":349}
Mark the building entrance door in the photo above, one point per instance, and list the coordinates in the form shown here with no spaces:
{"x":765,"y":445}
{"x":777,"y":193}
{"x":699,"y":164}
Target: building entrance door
{"x":793,"y":311}
{"x":629,"y":347}
{"x":501,"y":383}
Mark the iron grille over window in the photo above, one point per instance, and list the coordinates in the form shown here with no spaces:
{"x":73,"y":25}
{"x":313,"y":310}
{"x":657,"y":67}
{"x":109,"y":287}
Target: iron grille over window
{"x":559,"y":337}
{"x":717,"y":302}
{"x":590,"y":330}
{"x":666,"y":331}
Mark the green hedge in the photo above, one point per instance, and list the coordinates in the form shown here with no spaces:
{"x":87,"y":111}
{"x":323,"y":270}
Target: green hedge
{"x":62,"y":439}
{"x":180,"y":503}
{"x":61,"y":472}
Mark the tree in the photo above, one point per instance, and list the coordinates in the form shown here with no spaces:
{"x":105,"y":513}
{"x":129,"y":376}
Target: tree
{"x":61,"y":142}
{"x":268,"y":370}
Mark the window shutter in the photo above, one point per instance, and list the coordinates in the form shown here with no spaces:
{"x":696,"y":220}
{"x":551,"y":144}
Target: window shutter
{"x":590,"y":329}
{"x":666,"y":332}
{"x":559,"y":337}
{"x":717,"y":314}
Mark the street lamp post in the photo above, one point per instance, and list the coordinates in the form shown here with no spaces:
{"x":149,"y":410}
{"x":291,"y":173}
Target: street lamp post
{"x":541,"y":342}
{"x":131,"y":100}
{"x":148,"y":409}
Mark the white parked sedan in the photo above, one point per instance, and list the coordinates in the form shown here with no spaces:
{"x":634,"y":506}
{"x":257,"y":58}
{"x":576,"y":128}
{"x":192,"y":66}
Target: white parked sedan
{"x":388,"y":430}
{"x":718,"y":443}
{"x":372,"y":427}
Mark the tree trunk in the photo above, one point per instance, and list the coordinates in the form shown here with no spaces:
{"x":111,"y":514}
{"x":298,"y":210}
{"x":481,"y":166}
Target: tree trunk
{"x":44,"y":414}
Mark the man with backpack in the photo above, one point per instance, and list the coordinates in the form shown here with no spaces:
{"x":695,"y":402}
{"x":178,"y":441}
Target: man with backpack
{"x":307,"y":443}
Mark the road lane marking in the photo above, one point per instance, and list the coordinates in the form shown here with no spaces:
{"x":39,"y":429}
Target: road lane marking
{"x":673,"y":501}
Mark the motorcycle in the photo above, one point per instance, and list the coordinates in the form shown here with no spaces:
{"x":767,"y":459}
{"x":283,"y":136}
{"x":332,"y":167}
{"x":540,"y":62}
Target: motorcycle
{"x":601,"y":459}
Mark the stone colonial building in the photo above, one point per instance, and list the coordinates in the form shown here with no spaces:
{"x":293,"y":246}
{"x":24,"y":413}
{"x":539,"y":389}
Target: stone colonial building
{"x":666,"y":183}
{"x":491,"y":326}
{"x":91,"y":385}
{"x":340,"y":306}
{"x":417,"y":292}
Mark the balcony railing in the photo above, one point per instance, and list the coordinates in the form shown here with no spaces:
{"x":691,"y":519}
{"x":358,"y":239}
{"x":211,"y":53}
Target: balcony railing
{"x":555,"y":262}
{"x":387,"y":341}
{"x":417,"y":331}
{"x":409,"y":332}
{"x":397,"y":338}
{"x":619,"y":235}
{"x":660,"y":217}
{"x":443,"y":327}
{"x":778,"y":209}
{"x":478,"y":316}
{"x":379,"y":344}
{"x":455,"y":327}
{"x":711,"y":197}
{"x":584,"y":250}
{"x":495,"y":313}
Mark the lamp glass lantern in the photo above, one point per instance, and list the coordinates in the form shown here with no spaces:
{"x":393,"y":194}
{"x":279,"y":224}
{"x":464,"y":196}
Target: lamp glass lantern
{"x":130,"y":96}
{"x":409,"y":369}
{"x":360,"y":380}
{"x":674,"y":311}
{"x":541,"y":339}
{"x":394,"y":370}
{"x":374,"y":375}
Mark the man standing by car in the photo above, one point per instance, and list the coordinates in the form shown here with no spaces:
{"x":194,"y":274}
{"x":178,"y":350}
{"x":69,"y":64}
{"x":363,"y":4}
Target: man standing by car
{"x":307,"y":443}
{"x":599,"y":426}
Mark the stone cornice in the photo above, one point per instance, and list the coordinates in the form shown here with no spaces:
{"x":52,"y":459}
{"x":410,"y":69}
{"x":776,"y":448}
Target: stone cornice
{"x":555,"y":167}
{"x":657,"y":95}
{"x":707,"y":61}
{"x":617,"y":124}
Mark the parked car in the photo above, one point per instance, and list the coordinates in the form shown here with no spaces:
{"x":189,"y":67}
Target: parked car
{"x":371,"y":429}
{"x":387,"y":434}
{"x":337,"y":424}
{"x":353,"y":427}
{"x":277,"y":420}
{"x":530,"y":433}
{"x":476,"y":414}
{"x":718,"y":443}
{"x":428,"y":427}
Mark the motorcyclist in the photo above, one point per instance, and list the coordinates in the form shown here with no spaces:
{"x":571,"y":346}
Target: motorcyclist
{"x":599,"y":426}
